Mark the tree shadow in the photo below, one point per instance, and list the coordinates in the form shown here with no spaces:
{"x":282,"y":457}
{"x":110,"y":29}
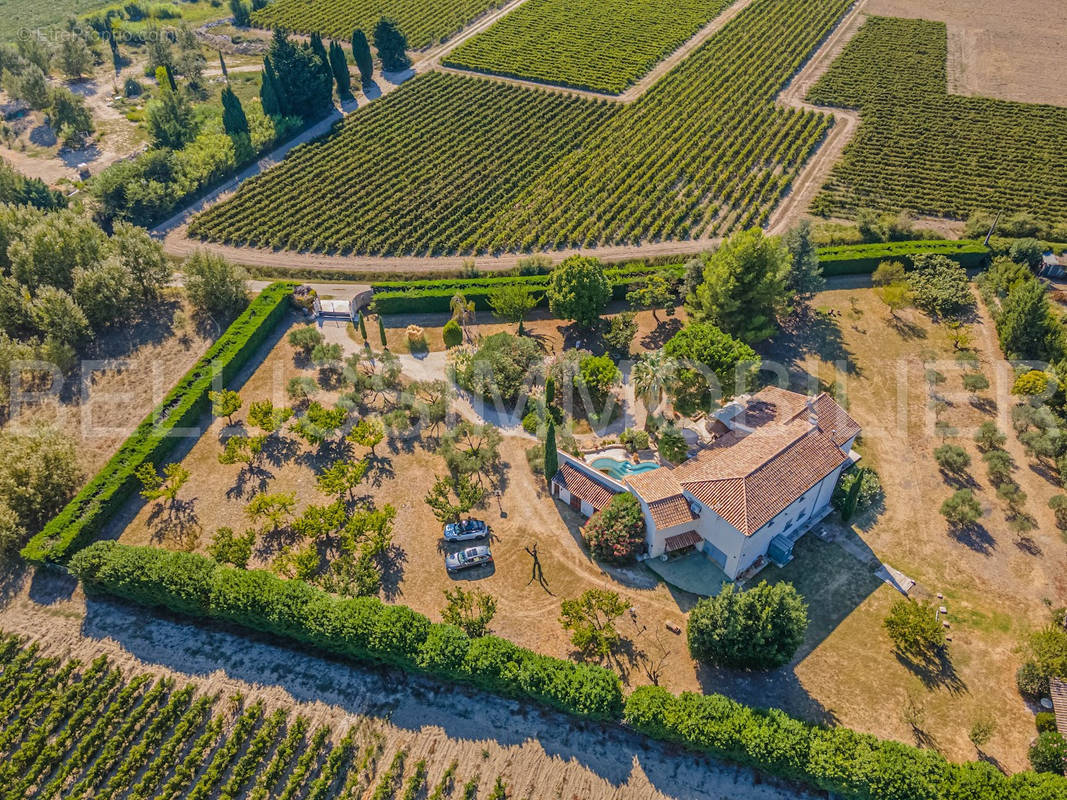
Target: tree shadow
{"x":1045,"y":472}
{"x":392,"y":563}
{"x":251,"y":480}
{"x":1028,"y":545}
{"x":661,"y":334}
{"x":906,"y":329}
{"x":975,"y":537}
{"x":934,"y":670}
{"x":820,"y":335}
{"x":176,"y":522}
{"x":983,"y":405}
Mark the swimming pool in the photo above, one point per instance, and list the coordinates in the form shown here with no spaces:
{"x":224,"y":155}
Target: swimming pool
{"x":619,"y":469}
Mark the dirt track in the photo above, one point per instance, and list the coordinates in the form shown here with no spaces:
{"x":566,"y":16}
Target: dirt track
{"x":541,"y":754}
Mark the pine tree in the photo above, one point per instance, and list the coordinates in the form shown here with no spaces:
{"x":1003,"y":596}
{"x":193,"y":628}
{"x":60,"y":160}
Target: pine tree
{"x":551,"y":455}
{"x":340,"y":70}
{"x":381,"y":331}
{"x":222,"y":65}
{"x":234,"y":120}
{"x":361,"y":54}
{"x":391,"y":46}
{"x":268,"y":91}
{"x":170,"y":117}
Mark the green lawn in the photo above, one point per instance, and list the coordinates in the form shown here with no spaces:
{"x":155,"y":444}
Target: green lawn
{"x":831,"y":581}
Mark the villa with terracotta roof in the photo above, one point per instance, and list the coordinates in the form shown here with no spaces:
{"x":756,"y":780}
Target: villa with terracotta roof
{"x":761,"y":478}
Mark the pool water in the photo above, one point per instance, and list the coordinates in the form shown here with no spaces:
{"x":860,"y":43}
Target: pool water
{"x":620,"y":469}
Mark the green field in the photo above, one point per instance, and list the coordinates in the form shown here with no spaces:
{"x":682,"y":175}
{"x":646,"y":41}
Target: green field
{"x":455,"y":164}
{"x":22,"y":15}
{"x":923,"y":150}
{"x":602,"y":45}
{"x":424,"y":22}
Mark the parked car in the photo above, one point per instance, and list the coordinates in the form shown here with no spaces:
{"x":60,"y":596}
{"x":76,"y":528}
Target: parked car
{"x":466,"y":531}
{"x":465,"y":559}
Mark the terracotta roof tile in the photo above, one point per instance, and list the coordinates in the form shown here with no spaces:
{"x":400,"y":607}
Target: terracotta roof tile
{"x":1058,"y":690}
{"x":656,"y":484}
{"x":754,"y":478}
{"x":583,"y":487}
{"x":833,"y":420}
{"x":671,"y":511}
{"x":687,"y":539}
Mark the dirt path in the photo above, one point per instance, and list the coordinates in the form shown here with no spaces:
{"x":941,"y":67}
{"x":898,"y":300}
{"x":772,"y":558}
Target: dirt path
{"x":811,"y":179}
{"x":540,"y":754}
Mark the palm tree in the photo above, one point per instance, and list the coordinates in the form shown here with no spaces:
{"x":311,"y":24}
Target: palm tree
{"x":652,"y":376}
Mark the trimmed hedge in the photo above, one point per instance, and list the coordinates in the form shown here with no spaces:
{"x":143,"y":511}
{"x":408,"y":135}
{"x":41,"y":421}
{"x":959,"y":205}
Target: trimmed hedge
{"x":364,"y":629}
{"x":864,"y":258}
{"x":838,"y":760}
{"x":433,"y":297}
{"x":152,"y":441}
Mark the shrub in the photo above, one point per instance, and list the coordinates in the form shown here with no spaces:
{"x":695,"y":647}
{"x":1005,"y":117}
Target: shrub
{"x":869,"y":493}
{"x":362,"y":628}
{"x":500,"y":366}
{"x":1049,"y":753}
{"x":1045,"y":721}
{"x":153,"y":441}
{"x":634,"y":439}
{"x":617,"y":533}
{"x":834,"y":759}
{"x":672,"y":445}
{"x":452,"y":334}
{"x":760,"y":628}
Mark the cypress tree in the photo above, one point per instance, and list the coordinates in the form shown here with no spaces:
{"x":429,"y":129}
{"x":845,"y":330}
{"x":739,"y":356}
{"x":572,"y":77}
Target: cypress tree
{"x":550,"y":390}
{"x":362,"y":327}
{"x":234,"y":120}
{"x":551,"y":456}
{"x":318,"y":49}
{"x":381,"y":331}
{"x":391,"y":45}
{"x":168,"y":75}
{"x":361,"y":55}
{"x":340,"y":70}
{"x":268,"y":90}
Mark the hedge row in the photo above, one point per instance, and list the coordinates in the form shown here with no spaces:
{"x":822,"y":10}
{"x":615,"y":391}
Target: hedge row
{"x":864,"y":258}
{"x":152,"y":441}
{"x":365,"y":629}
{"x":433,"y":297}
{"x":838,"y":760}
{"x":835,"y":759}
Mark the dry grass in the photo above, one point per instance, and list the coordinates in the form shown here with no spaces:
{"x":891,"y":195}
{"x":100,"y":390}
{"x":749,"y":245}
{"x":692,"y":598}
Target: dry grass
{"x":846,"y":672}
{"x":1001,"y":50}
{"x":120,"y":380}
